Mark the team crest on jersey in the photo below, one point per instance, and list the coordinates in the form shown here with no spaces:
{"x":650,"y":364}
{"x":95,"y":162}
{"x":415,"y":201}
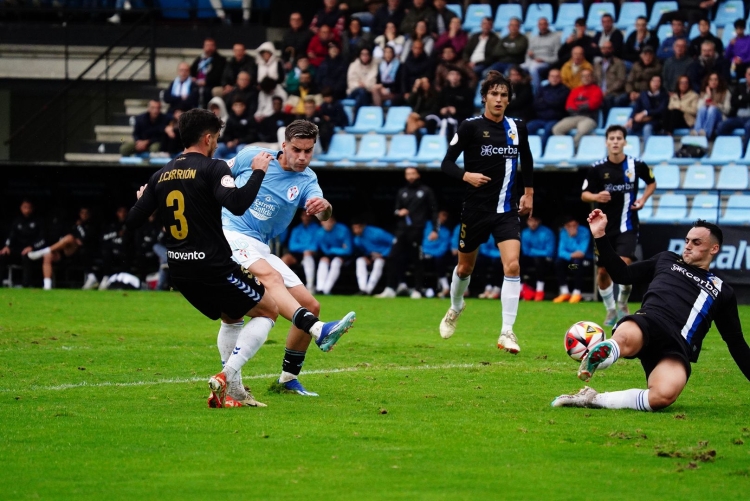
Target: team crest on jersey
{"x":461,"y":244}
{"x":230,"y":163}
{"x":292,"y":193}
{"x":227,"y":182}
{"x":512,"y":135}
{"x":486,"y":133}
{"x":486,"y":150}
{"x":630,"y":174}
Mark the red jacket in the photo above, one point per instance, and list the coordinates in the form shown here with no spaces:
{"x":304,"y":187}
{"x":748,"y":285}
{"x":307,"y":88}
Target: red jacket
{"x":319,"y":49}
{"x":585,"y":100}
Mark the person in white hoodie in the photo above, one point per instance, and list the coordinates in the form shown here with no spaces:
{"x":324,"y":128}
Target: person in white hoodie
{"x":217,"y":106}
{"x":269,"y":64}
{"x":361,"y":78}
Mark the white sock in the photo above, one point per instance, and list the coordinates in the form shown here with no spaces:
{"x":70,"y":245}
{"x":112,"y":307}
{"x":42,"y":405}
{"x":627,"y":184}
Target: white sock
{"x":286,"y":377}
{"x":333,"y":274}
{"x":227,"y":339}
{"x":444,"y":283}
{"x":615,"y":354}
{"x":624,"y":294}
{"x":316,"y":329}
{"x":458,"y":287}
{"x":375,"y":274}
{"x":608,"y":296}
{"x":251,"y":338}
{"x":322,"y":274}
{"x":308,"y":264}
{"x":576,"y":292}
{"x":564,"y":289}
{"x":540,"y":286}
{"x":47,"y":283}
{"x":626,"y":399}
{"x":44,"y":252}
{"x":509,"y":296}
{"x":362,"y":273}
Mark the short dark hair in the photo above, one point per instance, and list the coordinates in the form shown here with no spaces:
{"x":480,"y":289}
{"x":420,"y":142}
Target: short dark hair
{"x":607,"y":14}
{"x":493,"y":79}
{"x":712,"y":228}
{"x":581,"y":21}
{"x":301,"y":129}
{"x":740,"y":23}
{"x":238,"y":99}
{"x":615,"y":128}
{"x":641,"y":17}
{"x":195,"y":123}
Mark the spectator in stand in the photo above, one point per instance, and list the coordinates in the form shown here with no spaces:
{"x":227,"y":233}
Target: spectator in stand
{"x":436,"y":254}
{"x":640,"y":76}
{"x":82,"y":240}
{"x":441,"y":19}
{"x":26,"y":234}
{"x":454,"y":37}
{"x":416,"y":66}
{"x":268,"y":90}
{"x":269,"y":65}
{"x":353,"y":40}
{"x":649,"y":110}
{"x":666,"y":48}
{"x":638,"y":39}
{"x":714,"y":105}
{"x":512,"y":48}
{"x":738,"y":51}
{"x":682,"y":107}
{"x":537,"y":252}
{"x":480,"y":52}
{"x":390,"y":38}
{"x":420,"y":34}
{"x":302,"y":247}
{"x":391,"y":12}
{"x":677,"y":65}
{"x":269,"y":125}
{"x":218,"y":107}
{"x":172,"y":143}
{"x":116,"y":248}
{"x":417,"y":11}
{"x":333,"y":15}
{"x":335,"y":244}
{"x":389,"y":84}
{"x":239,"y":131}
{"x":455,"y":103}
{"x":325,"y":129}
{"x":207,"y":70}
{"x":572,"y":69}
{"x":572,"y":251}
{"x":183,"y":94}
{"x":609,"y":73}
{"x":296,"y":40}
{"x":372,"y":245}
{"x":583,"y":106}
{"x":549,"y":105}
{"x":579,"y":38}
{"x":244,"y":90}
{"x":332,"y":71}
{"x":739,"y":114}
{"x":292,"y":78}
{"x":450,"y":60}
{"x":295,"y":103}
{"x":704,"y":33}
{"x":239,"y":62}
{"x":361,"y":77}
{"x":489,"y":266}
{"x":610,"y":34}
{"x":333,"y":114}
{"x":709,"y":61}
{"x":317,"y":51}
{"x":423,"y":101}
{"x":148,"y":131}
{"x":542,"y":53}
{"x":522,"y":95}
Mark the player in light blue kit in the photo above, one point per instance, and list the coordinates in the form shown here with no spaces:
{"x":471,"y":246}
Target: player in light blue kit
{"x":372,"y":245}
{"x":334,"y":244}
{"x":435,"y":248}
{"x":288,"y":186}
{"x":302,"y":247}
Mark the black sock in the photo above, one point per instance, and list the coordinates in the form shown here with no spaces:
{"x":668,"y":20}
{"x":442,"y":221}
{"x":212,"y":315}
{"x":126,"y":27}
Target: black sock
{"x":304,"y":320}
{"x":293,"y":361}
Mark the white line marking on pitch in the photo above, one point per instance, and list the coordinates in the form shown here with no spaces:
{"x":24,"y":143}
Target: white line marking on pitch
{"x":84,"y":384}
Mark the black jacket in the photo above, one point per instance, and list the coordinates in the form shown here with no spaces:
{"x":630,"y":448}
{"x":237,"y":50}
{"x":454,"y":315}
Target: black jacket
{"x":461,"y":98}
{"x":151,"y":130}
{"x":632,"y":49}
{"x":549,"y":102}
{"x":420,"y":201}
{"x":25,"y":232}
{"x":294,"y":44}
{"x":233,"y":68}
{"x":214,"y":73}
{"x":332,"y":73}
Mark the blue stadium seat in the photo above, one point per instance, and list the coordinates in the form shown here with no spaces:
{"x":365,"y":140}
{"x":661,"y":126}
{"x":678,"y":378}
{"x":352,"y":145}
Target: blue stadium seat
{"x":667,"y":177}
{"x":559,"y":150}
{"x":647,"y":212}
{"x":371,"y":147}
{"x":672,"y":208}
{"x":729,"y":11}
{"x":727,"y":35}
{"x":590,"y":150}
{"x":460,"y":160}
{"x":737,"y":209}
{"x":629,"y":12}
{"x":705,"y":206}
{"x":457,"y":9}
{"x":658,"y":9}
{"x":699,"y":177}
{"x":615,"y":116}
{"x":535,"y":145}
{"x":664,"y":31}
{"x":504,"y":13}
{"x":343,"y":147}
{"x":695,"y":31}
{"x":432,"y":149}
{"x":658,"y":149}
{"x":205,"y":9}
{"x":633,"y":147}
{"x":474,"y":15}
{"x":175,"y":9}
{"x":733,"y":177}
{"x":534,"y":12}
{"x":478,"y":97}
{"x":403,"y":148}
{"x":369,"y":119}
{"x":726,"y":149}
{"x":701,"y":141}
{"x":395,"y":121}
{"x":134,"y":160}
{"x":596,"y":11}
{"x":567,"y":14}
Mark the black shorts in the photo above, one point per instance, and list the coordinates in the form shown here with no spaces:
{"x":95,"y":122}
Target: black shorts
{"x":624,"y":244}
{"x":234,"y":294}
{"x":476,"y":228}
{"x":658,"y":344}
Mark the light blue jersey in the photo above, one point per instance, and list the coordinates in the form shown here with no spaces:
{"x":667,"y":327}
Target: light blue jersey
{"x":568,"y":245}
{"x":373,"y":239}
{"x":538,"y":243}
{"x":280,"y":195}
{"x":335,"y":243}
{"x":436,"y":248}
{"x":303,"y":237}
{"x":489,"y":249}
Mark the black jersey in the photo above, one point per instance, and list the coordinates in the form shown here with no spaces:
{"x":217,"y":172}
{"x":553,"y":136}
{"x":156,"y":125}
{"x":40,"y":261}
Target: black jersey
{"x":189,"y":192}
{"x":683,"y":299}
{"x":621,"y":181}
{"x":493,"y":149}
{"x":25,"y":232}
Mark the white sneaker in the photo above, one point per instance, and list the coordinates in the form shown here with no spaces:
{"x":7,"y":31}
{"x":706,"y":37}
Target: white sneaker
{"x":402,"y":290}
{"x":115,"y":19}
{"x":429,"y":293}
{"x":448,"y":323}
{"x":91,"y":282}
{"x":508,"y":342}
{"x":104,"y":284}
{"x":415,"y":294}
{"x":387,"y":293}
{"x":37,"y":254}
{"x":127,"y":5}
{"x":584,"y":398}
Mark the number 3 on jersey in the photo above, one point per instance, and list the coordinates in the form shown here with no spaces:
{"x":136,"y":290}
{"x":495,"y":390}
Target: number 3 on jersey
{"x":176,"y":199}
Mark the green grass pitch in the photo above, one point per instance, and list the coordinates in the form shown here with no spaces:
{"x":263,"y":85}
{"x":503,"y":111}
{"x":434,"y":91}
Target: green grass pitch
{"x":103,"y":396}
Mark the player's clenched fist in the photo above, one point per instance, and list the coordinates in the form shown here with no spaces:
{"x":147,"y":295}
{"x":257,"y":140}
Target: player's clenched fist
{"x":261,"y":161}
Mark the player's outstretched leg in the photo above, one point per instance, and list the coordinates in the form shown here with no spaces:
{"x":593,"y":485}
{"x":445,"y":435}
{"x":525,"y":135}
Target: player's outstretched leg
{"x":449,"y":321}
{"x":292,"y":386}
{"x":582,"y":398}
{"x":635,"y":399}
{"x":596,"y":355}
{"x":509,"y":300}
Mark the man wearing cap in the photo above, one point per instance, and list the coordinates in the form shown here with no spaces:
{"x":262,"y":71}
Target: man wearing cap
{"x":641,"y":74}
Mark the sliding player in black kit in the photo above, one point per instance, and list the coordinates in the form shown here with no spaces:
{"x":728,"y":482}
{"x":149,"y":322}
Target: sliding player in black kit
{"x":666,"y":334}
{"x":493,"y":145}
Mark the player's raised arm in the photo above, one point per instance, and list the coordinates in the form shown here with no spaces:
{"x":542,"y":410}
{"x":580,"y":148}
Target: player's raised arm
{"x":143,"y":208}
{"x":238,"y":200}
{"x":620,"y":272}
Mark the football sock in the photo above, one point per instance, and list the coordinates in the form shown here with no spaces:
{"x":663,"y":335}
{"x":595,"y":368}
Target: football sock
{"x":362,"y":273}
{"x":375,"y":274}
{"x":292,"y":365}
{"x":443,"y":282}
{"x":626,"y":399}
{"x":304,"y":320}
{"x":608,"y":296}
{"x":458,"y":287}
{"x":509,"y":296}
{"x":615,"y":353}
{"x":251,"y":338}
{"x":333,"y":274}
{"x":308,"y":264}
{"x":624,"y":293}
{"x":47,"y":283}
{"x":227,"y":339}
{"x":540,"y":286}
{"x":576,"y":292}
{"x":564,"y":289}
{"x":323,"y":265}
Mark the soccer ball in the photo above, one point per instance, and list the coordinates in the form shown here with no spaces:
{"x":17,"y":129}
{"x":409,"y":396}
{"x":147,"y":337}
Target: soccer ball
{"x":582,"y":336}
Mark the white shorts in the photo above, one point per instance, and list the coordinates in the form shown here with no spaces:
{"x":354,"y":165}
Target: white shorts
{"x":247,"y":250}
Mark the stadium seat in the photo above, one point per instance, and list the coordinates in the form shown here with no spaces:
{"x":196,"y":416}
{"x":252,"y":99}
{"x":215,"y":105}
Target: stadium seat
{"x":432,"y":150}
{"x":658,"y":149}
{"x":457,"y":10}
{"x":672,"y":208}
{"x":504,"y":13}
{"x":535,"y":145}
{"x":699,"y":177}
{"x":395,"y":121}
{"x":647,"y":211}
{"x":460,"y":160}
{"x":658,"y":9}
{"x":701,"y":141}
{"x":727,"y":149}
{"x":343,"y":147}
{"x":737,"y":209}
{"x":474,"y":15}
{"x":559,"y":150}
{"x":727,"y":35}
{"x":371,"y":147}
{"x":134,"y":160}
{"x":706,"y":207}
{"x":369,"y":119}
{"x":175,"y":9}
{"x":633,"y":147}
{"x":629,"y":12}
{"x":478,"y":97}
{"x":596,"y":11}
{"x":667,"y":177}
{"x":204,"y":9}
{"x":567,"y":14}
{"x":664,"y":31}
{"x":534,"y":12}
{"x":732,"y":177}
{"x":729,"y":11}
{"x":615,"y":116}
{"x":590,"y":150}
{"x":403,"y":148}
